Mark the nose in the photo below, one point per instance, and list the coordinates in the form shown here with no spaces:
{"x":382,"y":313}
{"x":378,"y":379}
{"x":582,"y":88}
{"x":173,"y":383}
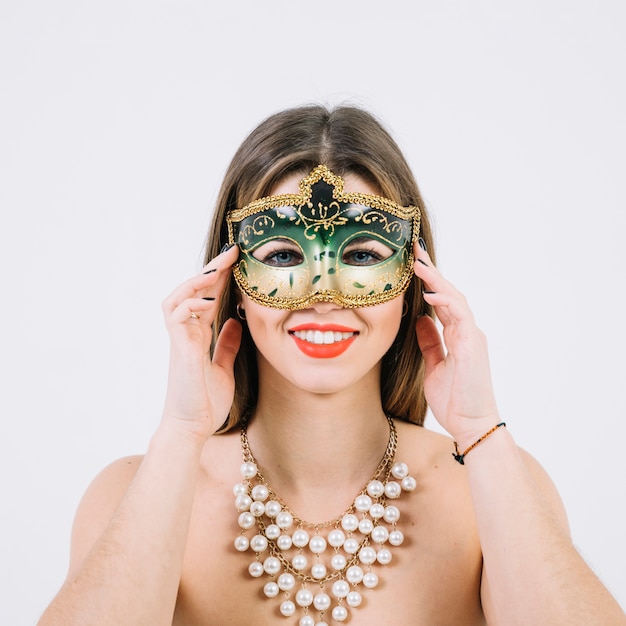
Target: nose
{"x":324,"y":270}
{"x":324,"y":307}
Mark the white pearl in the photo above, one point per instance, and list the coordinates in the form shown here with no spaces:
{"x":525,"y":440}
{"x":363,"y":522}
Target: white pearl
{"x":354,"y":599}
{"x":284,"y":519}
{"x":396,"y":537}
{"x":299,"y":562}
{"x":350,"y":522}
{"x":287,"y":608}
{"x":260,"y":492}
{"x":300,"y":538}
{"x":376,"y":510}
{"x":239,"y":489}
{"x":340,"y":613}
{"x":399,"y":470}
{"x":380,"y":534}
{"x":338,"y":562}
{"x":336,"y":538}
{"x":273,"y":508}
{"x":317,"y":545}
{"x":271,"y":590}
{"x":366,"y":526}
{"x":243,"y":502}
{"x":321,"y":601}
{"x":321,"y":624}
{"x":258,"y":543}
{"x":383,"y":556}
{"x":284,"y":542}
{"x":363,"y":503}
{"x":255,"y":569}
{"x":272,"y":565}
{"x":306,"y":620}
{"x":257,"y":508}
{"x":354,"y":575}
{"x":286,"y":582}
{"x":249,"y":469}
{"x":351,"y":545}
{"x":340,"y":589}
{"x":272,"y":531}
{"x":367,"y":555}
{"x":318,"y":571}
{"x":246,"y":520}
{"x":392,"y":514}
{"x":241,"y":543}
{"x":393,"y":489}
{"x":375,"y":488}
{"x":409,"y":483}
{"x":304,"y":597}
{"x":370,"y":580}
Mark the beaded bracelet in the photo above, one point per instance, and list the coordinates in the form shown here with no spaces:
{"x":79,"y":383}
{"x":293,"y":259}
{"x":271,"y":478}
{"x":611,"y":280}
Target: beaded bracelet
{"x":460,"y":457}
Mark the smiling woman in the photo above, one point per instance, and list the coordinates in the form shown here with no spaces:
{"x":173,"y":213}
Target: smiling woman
{"x":290,"y":479}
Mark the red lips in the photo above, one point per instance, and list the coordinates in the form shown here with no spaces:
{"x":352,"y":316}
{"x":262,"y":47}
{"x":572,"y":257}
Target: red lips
{"x":323,"y":350}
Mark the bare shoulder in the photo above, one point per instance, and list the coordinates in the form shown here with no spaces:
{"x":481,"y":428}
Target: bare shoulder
{"x":98,"y":505}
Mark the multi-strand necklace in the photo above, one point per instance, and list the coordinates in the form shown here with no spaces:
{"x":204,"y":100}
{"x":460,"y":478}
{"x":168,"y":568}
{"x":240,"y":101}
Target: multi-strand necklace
{"x":293,"y":552}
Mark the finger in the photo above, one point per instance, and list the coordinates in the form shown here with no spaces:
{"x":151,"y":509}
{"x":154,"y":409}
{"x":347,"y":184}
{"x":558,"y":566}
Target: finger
{"x":429,"y":342}
{"x":227,"y":345}
{"x":195,"y":310}
{"x":210,"y":282}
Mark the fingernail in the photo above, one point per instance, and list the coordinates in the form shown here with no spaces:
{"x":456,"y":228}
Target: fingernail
{"x":423,"y":244}
{"x":226,"y":246}
{"x":210,"y":271}
{"x":422,"y":262}
{"x":209,"y":298}
{"x":429,"y":293}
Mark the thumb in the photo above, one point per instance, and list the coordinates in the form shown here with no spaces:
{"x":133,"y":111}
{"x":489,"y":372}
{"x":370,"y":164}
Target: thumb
{"x":227,"y":345}
{"x":429,"y":342}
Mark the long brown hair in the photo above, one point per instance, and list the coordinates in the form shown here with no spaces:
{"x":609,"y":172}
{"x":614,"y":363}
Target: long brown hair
{"x":347,"y":140}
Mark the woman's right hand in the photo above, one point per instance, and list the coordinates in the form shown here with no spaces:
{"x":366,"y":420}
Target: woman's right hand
{"x":200,"y":389}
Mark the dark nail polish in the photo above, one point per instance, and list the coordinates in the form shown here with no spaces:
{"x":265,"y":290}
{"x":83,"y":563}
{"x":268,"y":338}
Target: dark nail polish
{"x":226,"y":246}
{"x":210,"y":271}
{"x":209,"y":298}
{"x":423,"y":244}
{"x":422,"y":262}
{"x":429,"y":293}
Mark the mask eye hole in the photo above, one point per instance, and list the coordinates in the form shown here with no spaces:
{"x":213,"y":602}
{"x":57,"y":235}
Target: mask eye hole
{"x":279,"y":252}
{"x":364,"y":251}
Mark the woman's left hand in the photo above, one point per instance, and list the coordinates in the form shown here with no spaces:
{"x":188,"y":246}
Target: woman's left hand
{"x":457,"y":379}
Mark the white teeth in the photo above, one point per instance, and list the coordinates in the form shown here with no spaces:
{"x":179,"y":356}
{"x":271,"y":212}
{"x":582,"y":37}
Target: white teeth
{"x":322,"y":337}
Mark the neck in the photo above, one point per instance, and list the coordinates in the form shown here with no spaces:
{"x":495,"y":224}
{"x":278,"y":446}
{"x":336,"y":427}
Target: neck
{"x":318,"y":447}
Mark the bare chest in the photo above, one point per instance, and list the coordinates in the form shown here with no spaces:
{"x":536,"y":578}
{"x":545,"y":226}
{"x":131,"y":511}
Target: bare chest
{"x":432,"y":578}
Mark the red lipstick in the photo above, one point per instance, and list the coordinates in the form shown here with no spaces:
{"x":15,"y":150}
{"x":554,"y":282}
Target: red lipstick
{"x":323,"y":341}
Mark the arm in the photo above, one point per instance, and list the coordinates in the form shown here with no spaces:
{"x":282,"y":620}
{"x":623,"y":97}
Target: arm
{"x":532,"y":572}
{"x":131,"y":528}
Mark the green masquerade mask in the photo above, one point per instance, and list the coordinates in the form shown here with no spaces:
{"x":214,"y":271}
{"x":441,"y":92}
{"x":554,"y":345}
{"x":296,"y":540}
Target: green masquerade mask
{"x":323,"y":245}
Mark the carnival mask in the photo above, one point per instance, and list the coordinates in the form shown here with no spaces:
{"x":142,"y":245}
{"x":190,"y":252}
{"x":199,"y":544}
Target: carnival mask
{"x":323,"y":245}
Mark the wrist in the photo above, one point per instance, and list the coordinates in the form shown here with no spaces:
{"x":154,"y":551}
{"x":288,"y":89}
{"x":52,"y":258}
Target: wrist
{"x":179,"y":436}
{"x":471,"y":439}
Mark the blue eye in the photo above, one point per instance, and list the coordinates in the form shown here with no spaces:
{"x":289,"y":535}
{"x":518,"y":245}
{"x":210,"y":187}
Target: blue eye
{"x":365,"y":251}
{"x":279,"y":252}
{"x":282,"y":258}
{"x":362,"y":257}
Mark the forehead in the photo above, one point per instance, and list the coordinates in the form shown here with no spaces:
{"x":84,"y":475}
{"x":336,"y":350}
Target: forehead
{"x":352,"y":184}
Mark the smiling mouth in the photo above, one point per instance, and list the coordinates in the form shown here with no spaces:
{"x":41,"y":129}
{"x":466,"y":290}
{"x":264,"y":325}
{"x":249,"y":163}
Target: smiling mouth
{"x":322,"y":337}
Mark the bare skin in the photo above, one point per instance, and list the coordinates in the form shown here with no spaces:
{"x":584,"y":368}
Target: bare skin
{"x":486,"y":542}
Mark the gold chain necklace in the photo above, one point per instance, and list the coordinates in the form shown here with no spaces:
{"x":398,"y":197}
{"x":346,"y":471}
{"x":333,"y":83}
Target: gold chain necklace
{"x":359,"y":539}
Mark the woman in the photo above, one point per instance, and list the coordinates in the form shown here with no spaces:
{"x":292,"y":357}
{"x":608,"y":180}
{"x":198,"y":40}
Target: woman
{"x":308,"y":345}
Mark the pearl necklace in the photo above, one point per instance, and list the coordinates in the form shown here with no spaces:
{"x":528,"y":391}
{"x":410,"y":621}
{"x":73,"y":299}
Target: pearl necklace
{"x":357,"y":539}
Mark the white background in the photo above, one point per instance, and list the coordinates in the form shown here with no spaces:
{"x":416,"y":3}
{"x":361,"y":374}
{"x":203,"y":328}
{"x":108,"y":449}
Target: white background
{"x":117,"y":122}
